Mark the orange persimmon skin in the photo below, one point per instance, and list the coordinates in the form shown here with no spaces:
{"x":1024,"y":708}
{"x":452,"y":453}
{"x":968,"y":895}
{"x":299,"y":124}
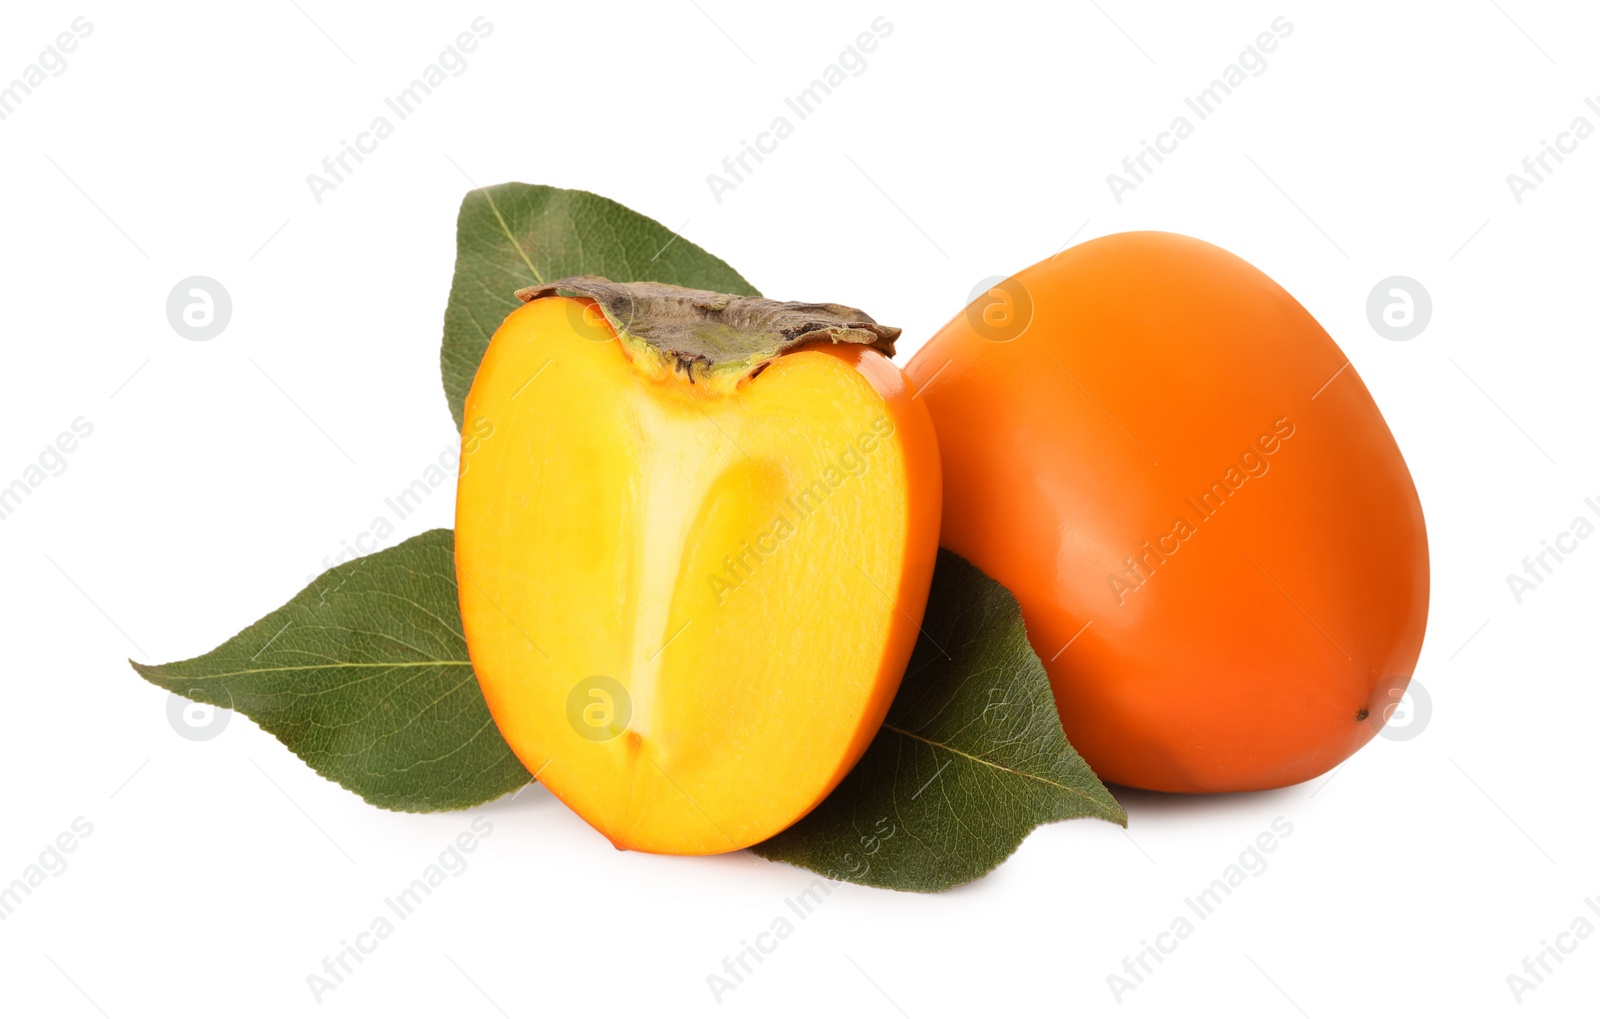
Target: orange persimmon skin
{"x":1198,"y":638}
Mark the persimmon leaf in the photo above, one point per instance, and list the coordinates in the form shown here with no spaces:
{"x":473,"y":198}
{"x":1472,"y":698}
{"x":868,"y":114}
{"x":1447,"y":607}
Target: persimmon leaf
{"x":971,"y":758}
{"x":365,"y":676}
{"x":511,"y":236}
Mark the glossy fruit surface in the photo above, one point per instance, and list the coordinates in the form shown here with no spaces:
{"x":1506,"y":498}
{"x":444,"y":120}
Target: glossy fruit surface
{"x":689,"y":594}
{"x":1218,"y":549}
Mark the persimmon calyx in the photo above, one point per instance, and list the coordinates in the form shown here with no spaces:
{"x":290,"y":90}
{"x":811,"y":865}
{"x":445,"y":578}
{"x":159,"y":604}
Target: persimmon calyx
{"x":710,"y":337}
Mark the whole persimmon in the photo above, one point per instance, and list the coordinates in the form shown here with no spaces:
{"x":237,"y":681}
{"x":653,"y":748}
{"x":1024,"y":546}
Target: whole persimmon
{"x":1217,"y":547}
{"x":694,"y":538}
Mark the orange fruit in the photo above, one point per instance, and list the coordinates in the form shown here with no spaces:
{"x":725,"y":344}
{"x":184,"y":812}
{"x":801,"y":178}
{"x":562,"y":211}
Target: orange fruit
{"x":694,"y":538}
{"x":1216,"y":544}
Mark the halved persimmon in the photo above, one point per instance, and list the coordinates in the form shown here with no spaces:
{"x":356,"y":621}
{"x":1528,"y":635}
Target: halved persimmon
{"x":694,"y":538}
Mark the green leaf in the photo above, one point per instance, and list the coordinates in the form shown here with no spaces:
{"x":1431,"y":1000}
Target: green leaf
{"x":511,"y":236}
{"x":365,"y":676}
{"x":971,"y":758}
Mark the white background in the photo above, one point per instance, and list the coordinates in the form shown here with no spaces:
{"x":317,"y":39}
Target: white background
{"x":220,"y":474}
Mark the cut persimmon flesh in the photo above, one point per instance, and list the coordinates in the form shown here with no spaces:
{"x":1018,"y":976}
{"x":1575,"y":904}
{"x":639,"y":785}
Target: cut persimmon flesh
{"x":694,"y":537}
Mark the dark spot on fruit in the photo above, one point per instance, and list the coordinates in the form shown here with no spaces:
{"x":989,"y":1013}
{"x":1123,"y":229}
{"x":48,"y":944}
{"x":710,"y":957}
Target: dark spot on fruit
{"x":1361,"y":716}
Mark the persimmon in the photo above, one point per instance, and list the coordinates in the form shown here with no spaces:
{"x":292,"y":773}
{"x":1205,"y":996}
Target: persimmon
{"x":693,"y":541}
{"x":1217,"y":547}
